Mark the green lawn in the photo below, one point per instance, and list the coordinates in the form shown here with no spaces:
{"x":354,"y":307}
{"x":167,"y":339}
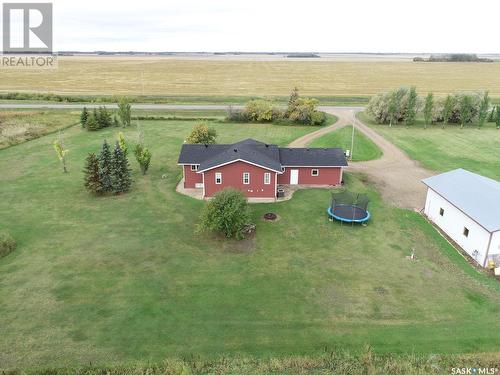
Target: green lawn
{"x":364,"y":149}
{"x":442,"y":150}
{"x":125,"y":278}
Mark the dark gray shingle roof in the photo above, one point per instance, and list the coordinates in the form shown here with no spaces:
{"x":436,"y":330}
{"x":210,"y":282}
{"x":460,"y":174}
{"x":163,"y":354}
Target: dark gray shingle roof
{"x":477,"y":196}
{"x":268,"y":156}
{"x":313,"y":157}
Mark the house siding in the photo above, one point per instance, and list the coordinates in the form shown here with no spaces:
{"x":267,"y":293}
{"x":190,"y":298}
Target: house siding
{"x":494,"y":252}
{"x":453,"y":222}
{"x":232,"y":176}
{"x":327,"y":176}
{"x":191,"y":178}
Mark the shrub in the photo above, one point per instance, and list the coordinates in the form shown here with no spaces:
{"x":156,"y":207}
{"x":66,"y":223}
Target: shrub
{"x":226,"y":213}
{"x":236,"y":115}
{"x":7,"y":244}
{"x":143,"y":157}
{"x":202,"y":134}
{"x":304,"y":112}
{"x":259,"y":110}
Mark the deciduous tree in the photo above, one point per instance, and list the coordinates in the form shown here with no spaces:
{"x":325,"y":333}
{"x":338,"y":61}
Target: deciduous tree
{"x":125,"y":112}
{"x":465,"y":110}
{"x":428,"y":109}
{"x":202,"y":134}
{"x":226,"y":213}
{"x":411,"y":108}
{"x":484,"y":106}
{"x":61,"y":152}
{"x":143,"y":157}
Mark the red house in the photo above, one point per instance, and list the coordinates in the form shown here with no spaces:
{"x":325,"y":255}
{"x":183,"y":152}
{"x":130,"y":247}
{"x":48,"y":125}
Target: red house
{"x":257,"y":168}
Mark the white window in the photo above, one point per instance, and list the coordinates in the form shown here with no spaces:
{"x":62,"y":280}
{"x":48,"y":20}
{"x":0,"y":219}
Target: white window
{"x":218,"y":178}
{"x":267,"y":178}
{"x":314,"y":172}
{"x":246,"y":178}
{"x":194,"y":167}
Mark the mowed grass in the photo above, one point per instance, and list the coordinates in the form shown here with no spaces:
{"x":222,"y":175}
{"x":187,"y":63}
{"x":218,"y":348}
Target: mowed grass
{"x":229,"y":78}
{"x":445,"y":149}
{"x":126,"y":278}
{"x":364,"y":149}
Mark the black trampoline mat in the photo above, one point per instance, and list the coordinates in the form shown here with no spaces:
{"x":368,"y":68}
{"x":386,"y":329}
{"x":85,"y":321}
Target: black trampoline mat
{"x":349,"y":212}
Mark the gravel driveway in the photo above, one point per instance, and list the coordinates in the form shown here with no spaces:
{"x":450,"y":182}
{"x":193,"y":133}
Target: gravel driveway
{"x":395,"y":174}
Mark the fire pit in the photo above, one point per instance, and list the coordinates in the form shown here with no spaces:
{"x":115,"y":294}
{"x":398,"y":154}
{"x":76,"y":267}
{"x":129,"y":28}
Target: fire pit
{"x":270,"y":216}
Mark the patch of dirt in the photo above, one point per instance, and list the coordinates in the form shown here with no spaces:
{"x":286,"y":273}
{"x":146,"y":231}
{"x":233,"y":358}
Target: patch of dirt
{"x":271,"y":216}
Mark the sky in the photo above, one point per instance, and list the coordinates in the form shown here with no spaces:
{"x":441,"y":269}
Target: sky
{"x":389,"y":26}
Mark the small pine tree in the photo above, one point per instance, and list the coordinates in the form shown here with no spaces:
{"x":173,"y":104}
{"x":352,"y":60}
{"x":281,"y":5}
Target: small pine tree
{"x":91,"y":172}
{"x":84,"y":117}
{"x":120,"y":171}
{"x":103,"y":117}
{"x":91,"y":123}
{"x":105,"y":168}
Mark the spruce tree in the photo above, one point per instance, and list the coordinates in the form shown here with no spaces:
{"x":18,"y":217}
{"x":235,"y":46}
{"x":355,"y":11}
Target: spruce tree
{"x":120,"y":171}
{"x":91,"y":171}
{"x":91,"y":123}
{"x":84,"y":117}
{"x":105,"y":168}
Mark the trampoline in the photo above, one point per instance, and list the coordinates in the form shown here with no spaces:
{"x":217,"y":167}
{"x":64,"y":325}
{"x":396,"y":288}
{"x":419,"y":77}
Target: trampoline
{"x":349,"y":207}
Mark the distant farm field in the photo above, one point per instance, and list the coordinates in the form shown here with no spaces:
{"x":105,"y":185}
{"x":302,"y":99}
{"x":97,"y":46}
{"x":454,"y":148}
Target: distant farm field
{"x":235,"y":78}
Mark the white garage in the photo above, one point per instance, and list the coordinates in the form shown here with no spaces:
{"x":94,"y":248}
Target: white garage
{"x":466,"y":206}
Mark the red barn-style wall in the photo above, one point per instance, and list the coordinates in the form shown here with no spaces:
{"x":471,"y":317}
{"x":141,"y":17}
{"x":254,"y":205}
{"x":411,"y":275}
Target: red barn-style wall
{"x":232,"y":176}
{"x":191,"y":178}
{"x":327,"y":176}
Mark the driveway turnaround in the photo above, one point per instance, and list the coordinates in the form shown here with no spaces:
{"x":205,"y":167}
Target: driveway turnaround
{"x":395,"y":174}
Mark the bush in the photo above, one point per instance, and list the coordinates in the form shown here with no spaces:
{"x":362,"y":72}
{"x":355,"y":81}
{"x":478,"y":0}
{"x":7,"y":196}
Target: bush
{"x":259,"y":110}
{"x":304,"y":112}
{"x":202,"y":134}
{"x":7,"y":244}
{"x":226,"y":213}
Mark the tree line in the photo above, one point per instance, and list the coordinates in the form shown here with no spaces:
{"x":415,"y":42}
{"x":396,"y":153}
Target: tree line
{"x":299,"y":111}
{"x":404,"y":105}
